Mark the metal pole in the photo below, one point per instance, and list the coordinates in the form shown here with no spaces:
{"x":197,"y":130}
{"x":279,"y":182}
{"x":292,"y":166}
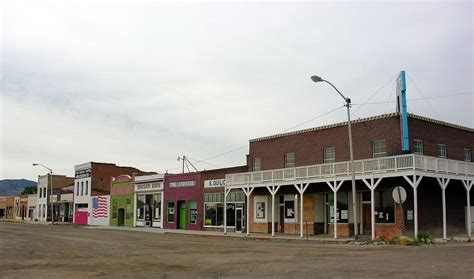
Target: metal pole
{"x":273,"y":212}
{"x":225,"y":211}
{"x":248,"y":212}
{"x":301,"y":215}
{"x":468,"y":207}
{"x":354,"y":201}
{"x":51,"y":196}
{"x":443,"y":196}
{"x":372,"y":210}
{"x":335,"y":212}
{"x":415,"y":209}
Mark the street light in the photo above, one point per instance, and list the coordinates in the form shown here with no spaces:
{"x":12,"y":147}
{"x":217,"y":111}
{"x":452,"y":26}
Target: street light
{"x":351,"y":151}
{"x":51,"y":183}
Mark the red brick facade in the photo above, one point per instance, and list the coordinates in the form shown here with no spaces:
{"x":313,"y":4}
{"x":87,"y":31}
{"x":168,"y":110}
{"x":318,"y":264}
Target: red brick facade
{"x":102,"y":174}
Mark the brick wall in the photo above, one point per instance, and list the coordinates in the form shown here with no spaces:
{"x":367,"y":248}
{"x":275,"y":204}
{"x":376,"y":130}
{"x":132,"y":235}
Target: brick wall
{"x":433,"y":134}
{"x":309,"y":146}
{"x":103,"y":172}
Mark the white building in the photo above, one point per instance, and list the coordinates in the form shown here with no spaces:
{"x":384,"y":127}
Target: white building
{"x":41,"y":194}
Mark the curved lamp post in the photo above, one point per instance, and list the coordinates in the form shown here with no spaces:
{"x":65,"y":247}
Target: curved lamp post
{"x":51,"y":183}
{"x":351,"y":151}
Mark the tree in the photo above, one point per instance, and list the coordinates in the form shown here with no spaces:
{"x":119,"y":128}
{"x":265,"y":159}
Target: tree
{"x":29,"y":190}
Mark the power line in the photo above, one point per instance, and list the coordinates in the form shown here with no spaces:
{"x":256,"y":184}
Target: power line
{"x":319,"y":116}
{"x":389,"y":97}
{"x":375,"y":93}
{"x":421,"y":93}
{"x":243,"y":146}
{"x":418,"y":99}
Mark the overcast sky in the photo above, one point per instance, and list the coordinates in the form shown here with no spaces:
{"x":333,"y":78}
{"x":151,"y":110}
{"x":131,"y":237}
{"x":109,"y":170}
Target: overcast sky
{"x":141,"y":84}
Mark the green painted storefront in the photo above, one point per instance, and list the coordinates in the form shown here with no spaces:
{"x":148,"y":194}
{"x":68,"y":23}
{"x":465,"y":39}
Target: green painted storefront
{"x":121,"y":210}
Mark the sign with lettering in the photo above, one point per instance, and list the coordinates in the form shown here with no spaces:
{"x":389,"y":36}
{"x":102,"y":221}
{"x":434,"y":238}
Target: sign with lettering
{"x":214,"y":183}
{"x":150,"y":186}
{"x":83,"y":173}
{"x":182,"y":184}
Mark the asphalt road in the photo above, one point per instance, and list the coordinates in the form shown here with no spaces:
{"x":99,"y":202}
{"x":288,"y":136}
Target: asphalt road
{"x":66,"y":251}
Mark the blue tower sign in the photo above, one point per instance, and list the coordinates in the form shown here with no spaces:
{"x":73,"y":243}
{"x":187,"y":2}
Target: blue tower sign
{"x":402,"y":110}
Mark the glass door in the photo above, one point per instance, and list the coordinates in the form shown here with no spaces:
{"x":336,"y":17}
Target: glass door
{"x":238,"y":220}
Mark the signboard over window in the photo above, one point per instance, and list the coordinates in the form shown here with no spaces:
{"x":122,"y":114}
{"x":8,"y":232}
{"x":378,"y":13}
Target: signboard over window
{"x":83,"y":173}
{"x":214,"y":183}
{"x":182,"y":184}
{"x":148,"y":186}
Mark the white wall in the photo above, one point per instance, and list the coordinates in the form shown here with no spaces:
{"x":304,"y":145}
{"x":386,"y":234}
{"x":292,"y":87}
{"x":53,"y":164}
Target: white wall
{"x":103,"y":221}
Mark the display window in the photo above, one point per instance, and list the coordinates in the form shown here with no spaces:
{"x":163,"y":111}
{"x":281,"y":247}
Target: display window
{"x":342,"y":207}
{"x":140,"y":207}
{"x":157,"y":206}
{"x":384,"y":207}
{"x":170,"y":212}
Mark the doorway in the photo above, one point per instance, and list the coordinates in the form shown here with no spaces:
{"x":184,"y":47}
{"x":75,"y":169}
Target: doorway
{"x":281,"y":223}
{"x":182,"y":215}
{"x":366,"y":216}
{"x":238,"y":220}
{"x":121,"y":217}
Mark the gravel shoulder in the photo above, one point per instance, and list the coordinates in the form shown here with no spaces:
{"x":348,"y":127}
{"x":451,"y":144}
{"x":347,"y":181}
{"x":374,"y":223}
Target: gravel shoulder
{"x":40,"y":251}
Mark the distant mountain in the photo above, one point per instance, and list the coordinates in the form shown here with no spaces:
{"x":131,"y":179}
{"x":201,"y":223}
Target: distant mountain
{"x":12,"y":187}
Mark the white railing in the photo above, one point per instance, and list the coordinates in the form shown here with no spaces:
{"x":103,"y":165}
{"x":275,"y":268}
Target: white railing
{"x":368,"y":166}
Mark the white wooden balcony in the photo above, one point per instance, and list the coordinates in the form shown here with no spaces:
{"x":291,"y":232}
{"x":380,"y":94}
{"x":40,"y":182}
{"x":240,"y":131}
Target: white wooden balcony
{"x":384,"y":165}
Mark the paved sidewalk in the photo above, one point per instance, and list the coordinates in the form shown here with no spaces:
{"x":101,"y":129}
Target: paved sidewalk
{"x":259,"y":236}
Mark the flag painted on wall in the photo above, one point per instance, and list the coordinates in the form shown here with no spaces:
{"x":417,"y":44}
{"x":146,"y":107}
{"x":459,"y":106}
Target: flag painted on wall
{"x":99,"y":207}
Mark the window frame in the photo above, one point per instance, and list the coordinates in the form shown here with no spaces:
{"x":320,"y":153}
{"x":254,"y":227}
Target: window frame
{"x":190,"y":220}
{"x":442,"y":148}
{"x":467,"y":151}
{"x":330,"y":150}
{"x":379,"y":153}
{"x":416,"y":147}
{"x":254,"y":164}
{"x":168,"y":214}
{"x":289,"y":160}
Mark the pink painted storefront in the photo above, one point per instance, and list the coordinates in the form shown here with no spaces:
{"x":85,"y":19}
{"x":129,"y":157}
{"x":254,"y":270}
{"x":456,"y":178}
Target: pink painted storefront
{"x":183,"y":201}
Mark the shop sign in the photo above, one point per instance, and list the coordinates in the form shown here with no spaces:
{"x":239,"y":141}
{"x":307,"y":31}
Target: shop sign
{"x":214,"y":183}
{"x":182,"y":184}
{"x":149,"y":186}
{"x":83,"y":173}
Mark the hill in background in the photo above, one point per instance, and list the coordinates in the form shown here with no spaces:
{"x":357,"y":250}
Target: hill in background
{"x":12,"y":187}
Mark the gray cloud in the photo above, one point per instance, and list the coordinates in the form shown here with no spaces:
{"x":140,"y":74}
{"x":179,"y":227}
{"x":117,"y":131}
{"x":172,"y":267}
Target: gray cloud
{"x":140,"y":84}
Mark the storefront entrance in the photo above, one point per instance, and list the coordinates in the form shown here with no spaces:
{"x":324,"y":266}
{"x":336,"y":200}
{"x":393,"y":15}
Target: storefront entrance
{"x":121,"y":217}
{"x":238,"y":219}
{"x":366,"y":213}
{"x":182,"y":215}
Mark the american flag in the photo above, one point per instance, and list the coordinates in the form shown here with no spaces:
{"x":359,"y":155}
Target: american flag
{"x":99,"y":207}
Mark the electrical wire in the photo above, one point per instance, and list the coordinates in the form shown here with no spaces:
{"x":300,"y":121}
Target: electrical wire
{"x":418,"y":99}
{"x":243,"y":146}
{"x":375,"y":93}
{"x":389,"y":97}
{"x":421,"y":93}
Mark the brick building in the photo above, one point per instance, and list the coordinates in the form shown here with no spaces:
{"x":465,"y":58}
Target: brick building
{"x":294,"y":177}
{"x":183,"y":201}
{"x":92,"y":180}
{"x":213,"y":183}
{"x":3,"y":207}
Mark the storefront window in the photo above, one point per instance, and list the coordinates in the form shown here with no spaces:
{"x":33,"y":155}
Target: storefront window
{"x":128,"y":209}
{"x":192,"y":207}
{"x":384,"y":207}
{"x":210,"y":215}
{"x":289,"y":209}
{"x":114,"y":208}
{"x":260,"y":213}
{"x":170,"y":212}
{"x":157,"y":206}
{"x":140,"y":207}
{"x":342,"y":207}
{"x":148,"y":207}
